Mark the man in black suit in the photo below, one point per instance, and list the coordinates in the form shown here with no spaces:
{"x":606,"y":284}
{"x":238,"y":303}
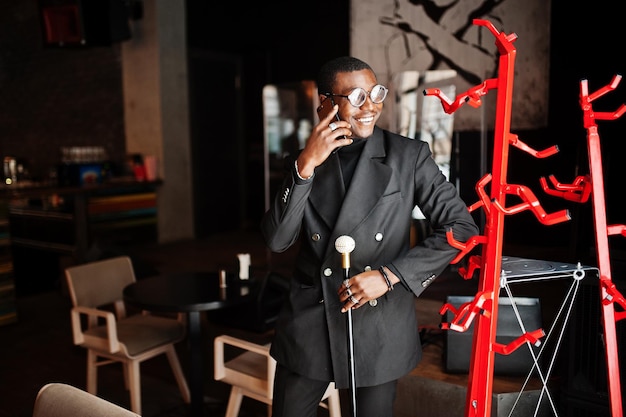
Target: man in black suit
{"x":354,"y":178}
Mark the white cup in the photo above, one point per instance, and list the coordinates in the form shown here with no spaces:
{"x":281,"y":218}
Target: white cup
{"x":244,"y":265}
{"x":222,"y":278}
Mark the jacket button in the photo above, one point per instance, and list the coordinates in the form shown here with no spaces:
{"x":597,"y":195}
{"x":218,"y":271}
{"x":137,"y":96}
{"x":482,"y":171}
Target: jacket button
{"x":367,"y":268}
{"x":316,"y":237}
{"x":428,"y":281}
{"x":378,"y":237}
{"x":328,"y":272}
{"x":374,"y":302}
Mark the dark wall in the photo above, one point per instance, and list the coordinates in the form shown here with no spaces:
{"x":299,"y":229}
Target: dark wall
{"x":589,"y":45}
{"x":52,"y":97}
{"x":585,"y":44}
{"x":277,"y":43}
{"x":280,"y":41}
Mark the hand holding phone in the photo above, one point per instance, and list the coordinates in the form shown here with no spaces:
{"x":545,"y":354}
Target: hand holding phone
{"x":325,"y":108}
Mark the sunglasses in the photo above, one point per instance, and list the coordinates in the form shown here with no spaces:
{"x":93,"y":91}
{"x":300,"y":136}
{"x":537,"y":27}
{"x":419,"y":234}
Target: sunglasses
{"x":358,"y":96}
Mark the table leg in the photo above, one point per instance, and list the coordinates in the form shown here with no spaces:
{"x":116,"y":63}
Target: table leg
{"x":196,"y":372}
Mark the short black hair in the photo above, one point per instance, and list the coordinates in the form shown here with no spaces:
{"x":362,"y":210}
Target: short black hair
{"x":328,"y":71}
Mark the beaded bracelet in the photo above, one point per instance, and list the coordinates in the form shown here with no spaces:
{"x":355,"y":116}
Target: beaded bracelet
{"x":300,"y":176}
{"x":386,"y":277}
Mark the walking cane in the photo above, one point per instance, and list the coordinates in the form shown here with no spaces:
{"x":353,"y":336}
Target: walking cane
{"x":344,"y":245}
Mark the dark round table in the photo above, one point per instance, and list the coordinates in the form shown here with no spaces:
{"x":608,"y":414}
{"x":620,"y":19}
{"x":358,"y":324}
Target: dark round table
{"x":192,"y":293}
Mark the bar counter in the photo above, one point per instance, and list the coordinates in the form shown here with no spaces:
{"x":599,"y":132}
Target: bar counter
{"x":45,"y":220}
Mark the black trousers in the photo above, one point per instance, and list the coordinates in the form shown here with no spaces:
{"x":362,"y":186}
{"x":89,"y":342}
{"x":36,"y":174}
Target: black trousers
{"x":299,"y":396}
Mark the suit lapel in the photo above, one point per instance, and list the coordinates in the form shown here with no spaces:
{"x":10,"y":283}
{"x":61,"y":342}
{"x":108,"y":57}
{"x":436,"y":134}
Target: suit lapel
{"x":368,"y":184}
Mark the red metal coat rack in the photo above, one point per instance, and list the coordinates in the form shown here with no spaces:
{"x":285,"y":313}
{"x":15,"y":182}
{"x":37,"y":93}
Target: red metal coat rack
{"x":579,"y":191}
{"x":484,"y":307}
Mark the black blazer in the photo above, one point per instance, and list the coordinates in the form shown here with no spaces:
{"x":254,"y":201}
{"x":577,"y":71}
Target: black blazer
{"x":393,"y":175}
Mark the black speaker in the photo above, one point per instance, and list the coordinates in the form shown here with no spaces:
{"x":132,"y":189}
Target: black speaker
{"x":84,"y":22}
{"x":458,"y":345}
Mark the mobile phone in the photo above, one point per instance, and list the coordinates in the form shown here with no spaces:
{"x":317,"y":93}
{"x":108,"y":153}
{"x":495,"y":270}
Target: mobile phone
{"x":325,"y":108}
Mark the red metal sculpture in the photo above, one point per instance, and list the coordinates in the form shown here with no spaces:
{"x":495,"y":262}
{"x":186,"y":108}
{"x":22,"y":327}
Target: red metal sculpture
{"x":483,"y":309}
{"x":579,"y":191}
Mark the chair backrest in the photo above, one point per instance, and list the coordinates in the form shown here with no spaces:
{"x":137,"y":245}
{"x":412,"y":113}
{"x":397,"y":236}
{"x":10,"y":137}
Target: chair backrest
{"x":62,"y":400}
{"x":99,"y":283}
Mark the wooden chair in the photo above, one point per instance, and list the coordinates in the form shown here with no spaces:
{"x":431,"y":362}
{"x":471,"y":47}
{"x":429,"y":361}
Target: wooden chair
{"x":101,"y":325}
{"x":62,"y":400}
{"x":251,"y":374}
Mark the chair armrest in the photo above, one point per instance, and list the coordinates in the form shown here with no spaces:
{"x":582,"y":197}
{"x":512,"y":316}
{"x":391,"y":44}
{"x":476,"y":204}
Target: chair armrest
{"x":218,"y":346}
{"x":222,"y":340}
{"x":181,"y":317}
{"x":93,"y":314}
